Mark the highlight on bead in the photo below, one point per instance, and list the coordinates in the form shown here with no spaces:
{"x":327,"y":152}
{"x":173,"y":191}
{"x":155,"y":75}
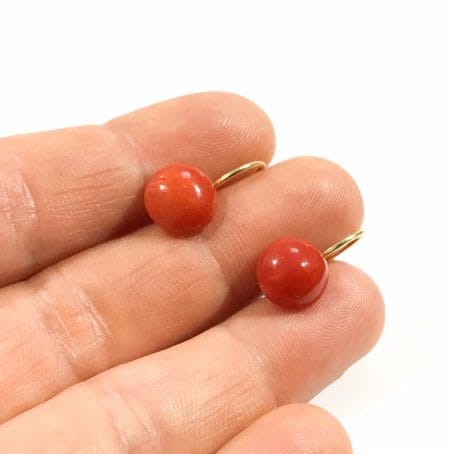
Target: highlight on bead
{"x":182,"y":199}
{"x":293,"y":273}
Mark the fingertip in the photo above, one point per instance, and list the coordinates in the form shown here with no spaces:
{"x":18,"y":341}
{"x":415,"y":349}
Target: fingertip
{"x":221,"y":130}
{"x":338,"y":186}
{"x":243,"y":122}
{"x":244,"y":117}
{"x":292,"y":429}
{"x":305,"y":351}
{"x":331,"y":192}
{"x":362,"y":296}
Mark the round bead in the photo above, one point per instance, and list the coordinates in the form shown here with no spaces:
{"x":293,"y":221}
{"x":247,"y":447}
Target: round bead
{"x":292,"y":273}
{"x":181,"y":199}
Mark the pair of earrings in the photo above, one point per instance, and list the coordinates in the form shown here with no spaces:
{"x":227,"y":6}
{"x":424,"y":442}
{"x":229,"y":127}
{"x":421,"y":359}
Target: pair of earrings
{"x":290,"y":271}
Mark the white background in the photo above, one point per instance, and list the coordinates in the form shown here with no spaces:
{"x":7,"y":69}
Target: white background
{"x":368,"y":84}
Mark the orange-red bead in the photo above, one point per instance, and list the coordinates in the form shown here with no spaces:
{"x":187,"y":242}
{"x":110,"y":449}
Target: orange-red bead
{"x":181,"y":199}
{"x":292,"y":273}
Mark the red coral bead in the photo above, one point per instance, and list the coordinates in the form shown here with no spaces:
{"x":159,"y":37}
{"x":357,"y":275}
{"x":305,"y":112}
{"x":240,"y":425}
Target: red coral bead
{"x":292,"y":273}
{"x":181,"y":199}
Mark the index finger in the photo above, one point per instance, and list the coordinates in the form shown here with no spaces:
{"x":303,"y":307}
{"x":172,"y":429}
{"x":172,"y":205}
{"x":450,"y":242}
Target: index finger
{"x":67,"y":190}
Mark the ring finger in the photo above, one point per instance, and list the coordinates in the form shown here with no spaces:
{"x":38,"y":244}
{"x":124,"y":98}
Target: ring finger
{"x":199,"y":394}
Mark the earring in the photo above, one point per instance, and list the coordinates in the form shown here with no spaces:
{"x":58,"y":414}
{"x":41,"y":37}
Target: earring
{"x":182,"y":199}
{"x":293,"y":273}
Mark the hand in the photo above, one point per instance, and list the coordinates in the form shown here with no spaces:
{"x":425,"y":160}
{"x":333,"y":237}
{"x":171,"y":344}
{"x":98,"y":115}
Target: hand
{"x":115,"y":337}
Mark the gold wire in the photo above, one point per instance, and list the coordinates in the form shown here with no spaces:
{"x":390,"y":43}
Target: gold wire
{"x":342,"y":245}
{"x":239,"y":172}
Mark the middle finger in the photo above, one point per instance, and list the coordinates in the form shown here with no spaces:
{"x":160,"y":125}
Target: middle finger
{"x":147,"y":291}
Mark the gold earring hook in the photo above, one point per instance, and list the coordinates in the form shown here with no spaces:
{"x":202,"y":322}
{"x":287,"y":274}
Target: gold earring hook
{"x":342,"y":245}
{"x":239,"y":172}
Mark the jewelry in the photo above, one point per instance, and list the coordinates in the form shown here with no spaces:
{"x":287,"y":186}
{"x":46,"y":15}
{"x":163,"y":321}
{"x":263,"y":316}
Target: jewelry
{"x":293,"y":273}
{"x":182,"y":199}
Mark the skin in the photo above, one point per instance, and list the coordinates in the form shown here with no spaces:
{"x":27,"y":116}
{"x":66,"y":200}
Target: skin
{"x":116,"y":337}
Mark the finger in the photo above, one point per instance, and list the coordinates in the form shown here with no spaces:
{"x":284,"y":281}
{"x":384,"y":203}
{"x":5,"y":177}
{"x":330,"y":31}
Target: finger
{"x":64,"y":191}
{"x":292,"y":429}
{"x":201,"y":393}
{"x":148,"y":291}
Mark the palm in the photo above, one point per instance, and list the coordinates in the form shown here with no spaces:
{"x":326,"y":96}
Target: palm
{"x":136,"y":341}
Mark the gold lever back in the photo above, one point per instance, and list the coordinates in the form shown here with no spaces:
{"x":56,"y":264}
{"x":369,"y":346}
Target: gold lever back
{"x":239,"y":172}
{"x":342,"y":245}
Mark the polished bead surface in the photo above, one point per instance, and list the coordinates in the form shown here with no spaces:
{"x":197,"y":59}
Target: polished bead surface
{"x":181,"y":199}
{"x":292,"y":273}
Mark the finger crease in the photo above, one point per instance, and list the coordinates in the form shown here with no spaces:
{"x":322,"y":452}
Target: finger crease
{"x":72,"y":322}
{"x":128,"y":142}
{"x":133,"y":425}
{"x":255,"y":357}
{"x":19,"y":207}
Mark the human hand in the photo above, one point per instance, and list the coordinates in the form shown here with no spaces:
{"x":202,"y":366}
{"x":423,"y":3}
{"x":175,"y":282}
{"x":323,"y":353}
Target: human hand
{"x":115,"y":337}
